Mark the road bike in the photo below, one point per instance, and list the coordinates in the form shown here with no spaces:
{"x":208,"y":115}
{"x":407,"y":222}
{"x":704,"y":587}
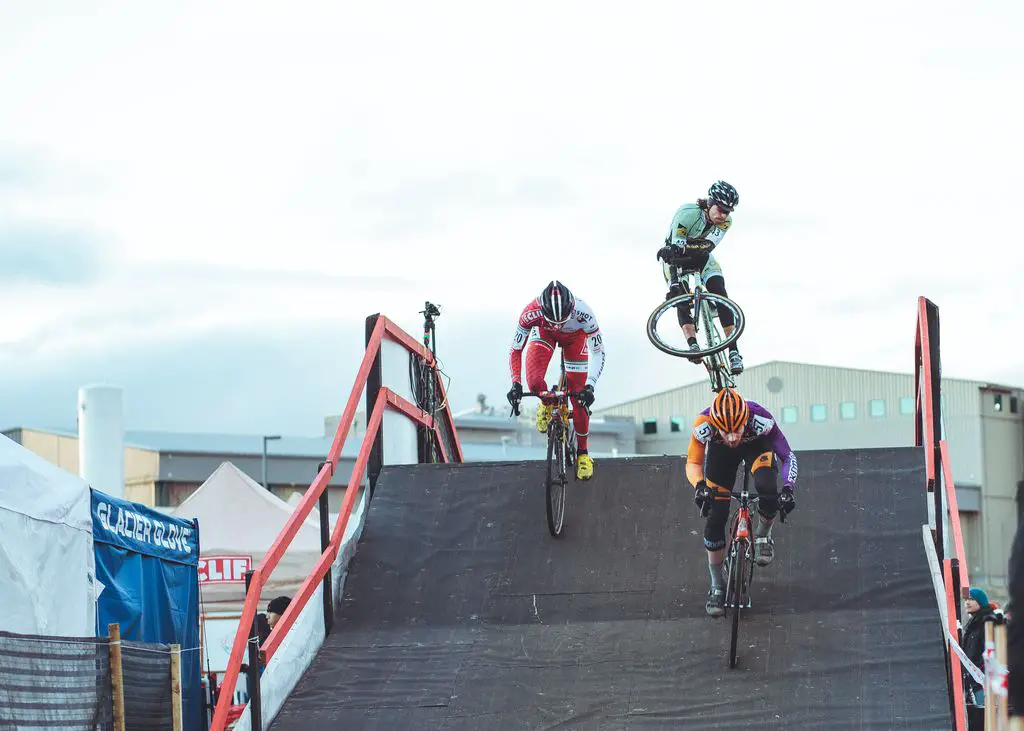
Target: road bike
{"x":561,"y":458}
{"x":739,"y":561}
{"x":712,"y":340}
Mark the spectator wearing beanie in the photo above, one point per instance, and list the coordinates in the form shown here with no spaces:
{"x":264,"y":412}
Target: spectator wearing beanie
{"x":265,"y":623}
{"x":276,"y":608}
{"x":973,"y":642}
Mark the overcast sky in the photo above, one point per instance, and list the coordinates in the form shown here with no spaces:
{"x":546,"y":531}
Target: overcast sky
{"x":201,"y":201}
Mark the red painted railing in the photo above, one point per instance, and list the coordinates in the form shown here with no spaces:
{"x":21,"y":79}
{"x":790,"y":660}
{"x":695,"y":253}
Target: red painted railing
{"x":941,"y":494}
{"x":386,"y":399}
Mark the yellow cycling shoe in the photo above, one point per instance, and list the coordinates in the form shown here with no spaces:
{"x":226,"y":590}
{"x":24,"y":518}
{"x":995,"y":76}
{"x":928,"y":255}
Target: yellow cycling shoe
{"x":584,"y":467}
{"x":543,"y":418}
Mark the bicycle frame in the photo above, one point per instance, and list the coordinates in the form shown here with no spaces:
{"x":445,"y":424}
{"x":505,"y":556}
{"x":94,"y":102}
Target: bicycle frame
{"x":716,"y":364}
{"x":741,"y":537}
{"x":561,"y":455}
{"x":706,"y":307}
{"x":740,"y":559}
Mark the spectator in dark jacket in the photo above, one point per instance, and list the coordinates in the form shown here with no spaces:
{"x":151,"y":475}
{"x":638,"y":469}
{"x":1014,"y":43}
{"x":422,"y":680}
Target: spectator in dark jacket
{"x":973,"y":642}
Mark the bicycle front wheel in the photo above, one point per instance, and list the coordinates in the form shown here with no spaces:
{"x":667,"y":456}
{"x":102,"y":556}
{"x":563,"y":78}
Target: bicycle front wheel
{"x":570,"y":450}
{"x":712,"y":343}
{"x":734,"y":594}
{"x":555,"y":483}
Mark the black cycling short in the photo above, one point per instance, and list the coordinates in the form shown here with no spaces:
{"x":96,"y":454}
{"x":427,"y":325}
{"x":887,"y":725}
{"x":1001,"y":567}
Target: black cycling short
{"x":720,"y":465}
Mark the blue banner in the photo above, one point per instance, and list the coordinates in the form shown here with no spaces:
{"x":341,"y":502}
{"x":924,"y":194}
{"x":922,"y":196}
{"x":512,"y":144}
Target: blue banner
{"x":147,"y":564}
{"x":141,"y":529}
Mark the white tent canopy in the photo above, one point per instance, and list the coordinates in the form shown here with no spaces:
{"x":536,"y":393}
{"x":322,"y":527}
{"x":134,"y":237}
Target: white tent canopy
{"x":47,"y":559}
{"x":237,"y":517}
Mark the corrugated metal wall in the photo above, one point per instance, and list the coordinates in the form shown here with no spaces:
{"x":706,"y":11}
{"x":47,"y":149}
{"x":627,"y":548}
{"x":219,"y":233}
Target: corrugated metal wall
{"x":794,"y":388}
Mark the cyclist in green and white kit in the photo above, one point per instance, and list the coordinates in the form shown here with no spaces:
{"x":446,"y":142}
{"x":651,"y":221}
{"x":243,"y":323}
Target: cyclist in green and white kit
{"x":697,"y":228}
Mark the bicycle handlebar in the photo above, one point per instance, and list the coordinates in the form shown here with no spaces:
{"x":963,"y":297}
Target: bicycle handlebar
{"x":555,"y":394}
{"x":753,"y":498}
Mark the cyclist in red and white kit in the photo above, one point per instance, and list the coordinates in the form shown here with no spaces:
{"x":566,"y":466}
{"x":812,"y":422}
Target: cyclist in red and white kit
{"x":555,"y":318}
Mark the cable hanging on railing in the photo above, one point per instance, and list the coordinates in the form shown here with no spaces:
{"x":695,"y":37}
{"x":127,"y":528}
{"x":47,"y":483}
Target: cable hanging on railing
{"x":423,"y":378}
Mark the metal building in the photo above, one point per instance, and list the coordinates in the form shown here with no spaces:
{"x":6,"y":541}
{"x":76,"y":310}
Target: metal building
{"x":489,"y":434}
{"x":161,"y":469}
{"x":826,"y":407}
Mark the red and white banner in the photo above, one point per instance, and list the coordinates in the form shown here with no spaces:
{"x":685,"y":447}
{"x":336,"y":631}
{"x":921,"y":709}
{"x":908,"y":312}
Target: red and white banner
{"x":224,"y":569}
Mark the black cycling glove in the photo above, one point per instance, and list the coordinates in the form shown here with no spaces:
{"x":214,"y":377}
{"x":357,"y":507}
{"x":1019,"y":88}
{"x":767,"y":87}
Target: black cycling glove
{"x":515,"y":395}
{"x":587,"y":396}
{"x":786,"y":501}
{"x":702,"y":498}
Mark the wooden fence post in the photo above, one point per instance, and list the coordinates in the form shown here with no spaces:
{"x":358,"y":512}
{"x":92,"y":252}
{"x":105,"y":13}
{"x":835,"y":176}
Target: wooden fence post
{"x":116,"y":675}
{"x":1003,"y":709}
{"x":176,"y":687}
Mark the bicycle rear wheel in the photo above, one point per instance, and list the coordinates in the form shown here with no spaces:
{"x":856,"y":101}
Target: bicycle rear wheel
{"x":734,"y":593}
{"x":555,"y":483}
{"x":712,"y":341}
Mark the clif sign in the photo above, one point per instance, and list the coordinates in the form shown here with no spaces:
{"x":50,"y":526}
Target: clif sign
{"x":223,"y":569}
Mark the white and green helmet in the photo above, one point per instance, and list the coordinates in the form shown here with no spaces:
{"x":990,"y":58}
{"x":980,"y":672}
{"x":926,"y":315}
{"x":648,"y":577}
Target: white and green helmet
{"x":724,"y":195}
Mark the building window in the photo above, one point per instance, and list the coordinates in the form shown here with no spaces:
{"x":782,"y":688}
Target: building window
{"x":1013,"y":404}
{"x":789,"y":414}
{"x":997,"y":402}
{"x":675,"y":424}
{"x":650,"y":426}
{"x":907,"y":405}
{"x":847,"y":410}
{"x":818,"y":412}
{"x":876,"y":407}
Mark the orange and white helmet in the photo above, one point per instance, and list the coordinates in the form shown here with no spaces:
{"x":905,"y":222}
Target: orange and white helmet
{"x":729,"y":411}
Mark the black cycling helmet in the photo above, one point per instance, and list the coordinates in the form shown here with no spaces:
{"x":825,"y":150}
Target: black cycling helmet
{"x":724,"y":195}
{"x":557,"y":303}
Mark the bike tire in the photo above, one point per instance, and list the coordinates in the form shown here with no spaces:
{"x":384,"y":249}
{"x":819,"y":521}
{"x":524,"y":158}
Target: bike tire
{"x":735,"y":596}
{"x":555,"y":483}
{"x":670,"y":304}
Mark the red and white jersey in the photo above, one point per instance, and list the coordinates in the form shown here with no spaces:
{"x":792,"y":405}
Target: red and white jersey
{"x":583,"y":323}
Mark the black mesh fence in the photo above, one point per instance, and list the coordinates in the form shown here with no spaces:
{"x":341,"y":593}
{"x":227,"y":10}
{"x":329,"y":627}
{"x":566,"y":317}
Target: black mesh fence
{"x":54,"y":682}
{"x":146,"y":668}
{"x":65,"y":683}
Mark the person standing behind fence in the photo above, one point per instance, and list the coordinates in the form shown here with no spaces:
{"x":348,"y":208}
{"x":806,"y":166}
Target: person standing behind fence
{"x":276,"y":607}
{"x":973,"y":641}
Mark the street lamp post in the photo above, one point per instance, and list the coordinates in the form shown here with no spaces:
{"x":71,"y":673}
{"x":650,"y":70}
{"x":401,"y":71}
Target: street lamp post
{"x":263,"y":463}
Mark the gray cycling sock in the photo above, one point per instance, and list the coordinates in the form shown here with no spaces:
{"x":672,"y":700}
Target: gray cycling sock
{"x":717,"y":575}
{"x":764,"y":527}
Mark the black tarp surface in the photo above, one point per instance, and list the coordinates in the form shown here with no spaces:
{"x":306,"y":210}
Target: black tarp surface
{"x":461,"y":612}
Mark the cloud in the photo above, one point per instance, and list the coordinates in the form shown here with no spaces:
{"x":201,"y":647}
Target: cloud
{"x":225,"y":380}
{"x":18,"y":170}
{"x":43,"y":254}
{"x":256,"y":206}
{"x":303,"y":275}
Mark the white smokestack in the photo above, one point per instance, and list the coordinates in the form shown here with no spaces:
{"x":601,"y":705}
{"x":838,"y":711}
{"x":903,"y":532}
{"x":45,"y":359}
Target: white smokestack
{"x":101,"y":439}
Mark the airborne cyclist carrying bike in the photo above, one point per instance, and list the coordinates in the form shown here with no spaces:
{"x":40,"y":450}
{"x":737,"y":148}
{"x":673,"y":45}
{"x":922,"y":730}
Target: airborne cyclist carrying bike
{"x":556,"y":318}
{"x":730,"y":430}
{"x":696,"y":229}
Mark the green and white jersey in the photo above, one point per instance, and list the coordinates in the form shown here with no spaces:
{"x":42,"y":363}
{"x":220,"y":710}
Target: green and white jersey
{"x":692,"y":231}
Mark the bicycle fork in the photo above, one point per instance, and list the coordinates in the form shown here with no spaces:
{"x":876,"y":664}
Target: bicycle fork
{"x":742,"y":542}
